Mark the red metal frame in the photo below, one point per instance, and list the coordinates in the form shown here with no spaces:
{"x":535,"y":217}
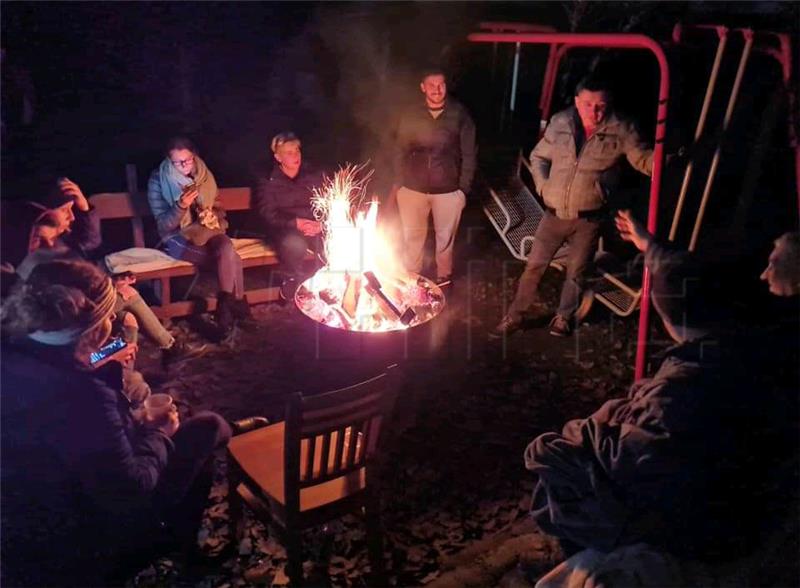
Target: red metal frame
{"x":616,"y":41}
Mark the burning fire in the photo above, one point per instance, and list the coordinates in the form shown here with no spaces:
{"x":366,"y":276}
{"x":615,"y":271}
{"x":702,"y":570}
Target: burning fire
{"x":363,"y":285}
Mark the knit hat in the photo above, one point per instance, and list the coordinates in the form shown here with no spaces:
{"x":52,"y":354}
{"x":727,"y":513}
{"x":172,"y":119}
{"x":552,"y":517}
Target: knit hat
{"x":53,"y":198}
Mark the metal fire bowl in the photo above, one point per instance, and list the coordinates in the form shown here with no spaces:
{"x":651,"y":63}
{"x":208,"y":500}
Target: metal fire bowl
{"x":303,"y":291}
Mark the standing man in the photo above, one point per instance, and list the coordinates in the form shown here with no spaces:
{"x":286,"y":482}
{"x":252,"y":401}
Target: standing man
{"x":283,"y":201}
{"x":574,"y":169}
{"x":434,"y":166}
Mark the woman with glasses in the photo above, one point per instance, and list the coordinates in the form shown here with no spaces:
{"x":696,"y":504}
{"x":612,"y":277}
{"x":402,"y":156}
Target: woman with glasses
{"x":178,"y":189}
{"x":87,"y":486}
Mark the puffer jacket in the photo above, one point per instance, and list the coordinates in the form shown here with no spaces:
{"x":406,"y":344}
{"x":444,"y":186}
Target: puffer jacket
{"x":571,"y":182}
{"x":436,"y":155}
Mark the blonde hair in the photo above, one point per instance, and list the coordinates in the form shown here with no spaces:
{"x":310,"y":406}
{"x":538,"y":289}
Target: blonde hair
{"x":282,"y":138}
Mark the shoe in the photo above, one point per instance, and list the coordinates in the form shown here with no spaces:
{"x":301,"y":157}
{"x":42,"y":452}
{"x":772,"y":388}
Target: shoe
{"x":249,"y":424}
{"x":559,"y":327}
{"x":243,"y":314}
{"x":288,"y":288}
{"x":507,"y":326}
{"x":445,"y":282}
{"x":225,"y":312}
{"x":181,"y":351}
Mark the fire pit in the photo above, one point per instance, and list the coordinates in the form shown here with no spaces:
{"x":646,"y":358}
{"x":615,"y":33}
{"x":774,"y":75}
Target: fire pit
{"x":362,"y":287}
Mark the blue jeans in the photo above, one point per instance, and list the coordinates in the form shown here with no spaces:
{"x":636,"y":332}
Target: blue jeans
{"x":219,"y":251}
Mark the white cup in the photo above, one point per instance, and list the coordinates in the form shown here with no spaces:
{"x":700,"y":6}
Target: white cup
{"x":158,"y":406}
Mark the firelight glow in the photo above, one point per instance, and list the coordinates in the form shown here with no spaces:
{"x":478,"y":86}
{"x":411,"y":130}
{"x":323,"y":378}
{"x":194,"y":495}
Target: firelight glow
{"x":363,"y":285}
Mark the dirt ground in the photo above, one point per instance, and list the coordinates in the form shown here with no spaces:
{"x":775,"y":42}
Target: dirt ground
{"x":467,"y":409}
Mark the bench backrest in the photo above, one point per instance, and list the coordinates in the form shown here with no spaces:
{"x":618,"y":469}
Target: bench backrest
{"x":123,"y":205}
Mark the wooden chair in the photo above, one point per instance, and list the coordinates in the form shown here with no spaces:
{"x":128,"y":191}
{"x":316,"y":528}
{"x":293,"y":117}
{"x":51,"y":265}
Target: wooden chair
{"x":317,"y":465}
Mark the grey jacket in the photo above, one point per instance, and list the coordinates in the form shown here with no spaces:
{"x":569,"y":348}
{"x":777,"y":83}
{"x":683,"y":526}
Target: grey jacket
{"x":571,"y":181}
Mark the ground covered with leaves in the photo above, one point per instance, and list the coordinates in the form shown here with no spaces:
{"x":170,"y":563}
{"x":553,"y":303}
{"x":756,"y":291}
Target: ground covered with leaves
{"x":454,"y":476}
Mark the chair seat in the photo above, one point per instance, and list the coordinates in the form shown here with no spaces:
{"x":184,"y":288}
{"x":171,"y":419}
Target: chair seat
{"x":259,"y":454}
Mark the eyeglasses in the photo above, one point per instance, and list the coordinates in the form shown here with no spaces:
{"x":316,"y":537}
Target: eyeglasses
{"x":183,"y":162}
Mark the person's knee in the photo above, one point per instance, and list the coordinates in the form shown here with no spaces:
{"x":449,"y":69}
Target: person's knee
{"x":208,"y":430}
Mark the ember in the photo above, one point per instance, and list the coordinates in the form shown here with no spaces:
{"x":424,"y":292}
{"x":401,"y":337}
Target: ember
{"x":363,"y":286}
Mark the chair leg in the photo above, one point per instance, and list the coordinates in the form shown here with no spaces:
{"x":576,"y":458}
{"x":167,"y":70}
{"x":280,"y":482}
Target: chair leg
{"x":234,"y":503}
{"x":375,"y":540}
{"x":294,"y":552}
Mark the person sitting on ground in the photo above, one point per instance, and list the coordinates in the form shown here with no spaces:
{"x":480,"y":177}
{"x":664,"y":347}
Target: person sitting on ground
{"x":283,"y":201}
{"x":681,"y":464}
{"x":182,"y":192}
{"x":68,"y":228}
{"x":575,"y":167}
{"x":86,"y":488}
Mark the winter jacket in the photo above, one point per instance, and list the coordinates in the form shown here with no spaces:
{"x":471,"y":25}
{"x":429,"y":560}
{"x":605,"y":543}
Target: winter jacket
{"x":572,"y":181}
{"x":436,"y":155}
{"x":280,"y":200}
{"x":76,"y":470}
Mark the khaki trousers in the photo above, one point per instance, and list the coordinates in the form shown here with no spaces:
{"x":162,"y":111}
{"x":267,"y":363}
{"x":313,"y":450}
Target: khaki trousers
{"x":415,"y":208}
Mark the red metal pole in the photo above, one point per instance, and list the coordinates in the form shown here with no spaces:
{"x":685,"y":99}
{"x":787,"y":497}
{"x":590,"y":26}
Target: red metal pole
{"x":620,"y":41}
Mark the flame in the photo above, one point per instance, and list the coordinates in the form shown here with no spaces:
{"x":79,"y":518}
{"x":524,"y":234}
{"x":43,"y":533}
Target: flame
{"x":354,"y":245}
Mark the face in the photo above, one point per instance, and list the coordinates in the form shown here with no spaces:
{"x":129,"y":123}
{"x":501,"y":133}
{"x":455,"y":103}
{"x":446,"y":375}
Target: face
{"x":183,"y":160}
{"x":44,"y":237}
{"x":63,"y":217}
{"x":289,"y":157}
{"x":435,"y":89}
{"x":783,"y":280}
{"x":591,"y":107}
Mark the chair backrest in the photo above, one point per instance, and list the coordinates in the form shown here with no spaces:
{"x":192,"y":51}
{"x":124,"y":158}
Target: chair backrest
{"x":330,"y":435}
{"x":124,"y":205}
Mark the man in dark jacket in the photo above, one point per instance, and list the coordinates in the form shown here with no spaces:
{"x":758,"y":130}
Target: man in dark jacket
{"x":435,"y":164}
{"x":283,"y":201}
{"x":574,"y":169}
{"x":683,"y":462}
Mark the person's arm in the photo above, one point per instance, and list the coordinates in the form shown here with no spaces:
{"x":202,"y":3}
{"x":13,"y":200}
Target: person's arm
{"x":469,"y":153}
{"x":267,"y":194}
{"x":168,"y":217}
{"x":657,"y":257}
{"x":542,"y":157}
{"x":115,"y":466}
{"x":85,"y":234}
{"x":639,"y":154}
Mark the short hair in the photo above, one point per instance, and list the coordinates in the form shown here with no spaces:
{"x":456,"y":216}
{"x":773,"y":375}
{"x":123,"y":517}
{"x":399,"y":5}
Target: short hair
{"x":432,"y":70}
{"x":593,"y":83}
{"x":284,"y":137}
{"x":180,"y":142}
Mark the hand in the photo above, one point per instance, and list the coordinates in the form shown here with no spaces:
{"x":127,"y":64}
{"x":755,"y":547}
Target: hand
{"x":126,"y":356}
{"x":167,"y":424}
{"x":632,"y":230}
{"x":188,"y":196}
{"x":72,"y":189}
{"x":309,"y":228}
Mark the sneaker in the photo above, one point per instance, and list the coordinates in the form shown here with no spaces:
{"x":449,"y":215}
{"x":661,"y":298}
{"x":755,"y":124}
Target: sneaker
{"x":444,"y":281}
{"x":559,"y":327}
{"x":507,"y":326}
{"x":180,"y":352}
{"x":288,"y":288}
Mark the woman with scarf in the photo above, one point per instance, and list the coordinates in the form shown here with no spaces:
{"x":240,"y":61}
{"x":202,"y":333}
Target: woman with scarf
{"x":181,"y":192}
{"x":87,"y":489}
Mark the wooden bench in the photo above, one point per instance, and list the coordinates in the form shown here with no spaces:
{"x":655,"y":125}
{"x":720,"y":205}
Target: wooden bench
{"x":254,"y":252}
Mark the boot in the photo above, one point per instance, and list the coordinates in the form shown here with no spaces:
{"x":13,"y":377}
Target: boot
{"x":243,"y":314}
{"x":225,"y":312}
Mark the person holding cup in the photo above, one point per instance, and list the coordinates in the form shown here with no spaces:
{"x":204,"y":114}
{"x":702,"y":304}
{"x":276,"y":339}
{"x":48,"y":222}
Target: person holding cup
{"x":78,"y":469}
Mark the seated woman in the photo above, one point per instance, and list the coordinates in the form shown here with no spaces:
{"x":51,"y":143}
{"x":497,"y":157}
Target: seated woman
{"x":181,"y":192}
{"x":67,"y":228}
{"x":87,"y":488}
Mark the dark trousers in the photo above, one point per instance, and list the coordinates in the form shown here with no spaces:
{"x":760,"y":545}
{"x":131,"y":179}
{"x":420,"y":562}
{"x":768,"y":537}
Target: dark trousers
{"x":581,"y":234}
{"x":292,"y":247}
{"x":182,"y":491}
{"x":219,"y":251}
